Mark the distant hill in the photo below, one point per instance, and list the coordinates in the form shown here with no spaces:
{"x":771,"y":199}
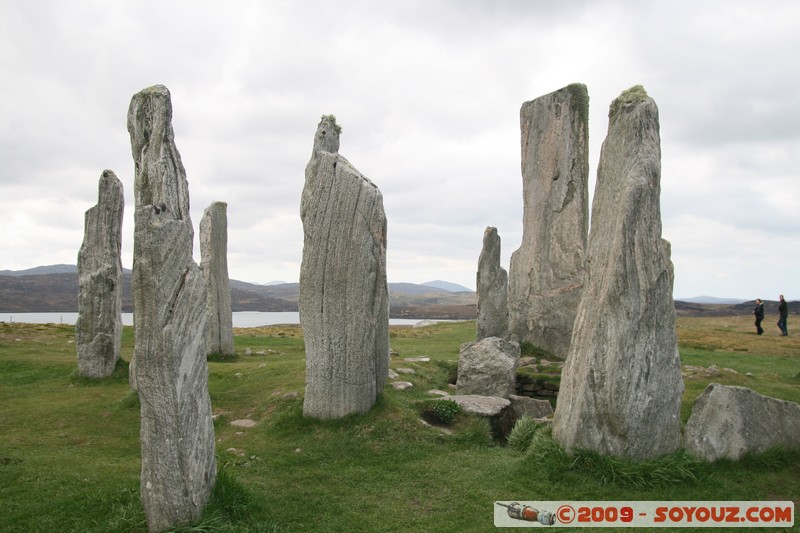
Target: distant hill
{"x":448,"y":286}
{"x":35,"y":271}
{"x":54,"y":288}
{"x":684,"y":308}
{"x":712,"y":300}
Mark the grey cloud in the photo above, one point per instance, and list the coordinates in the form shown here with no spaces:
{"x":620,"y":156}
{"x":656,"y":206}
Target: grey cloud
{"x":428,"y":94}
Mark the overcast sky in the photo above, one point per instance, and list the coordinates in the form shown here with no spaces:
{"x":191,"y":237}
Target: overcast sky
{"x":428,"y":95}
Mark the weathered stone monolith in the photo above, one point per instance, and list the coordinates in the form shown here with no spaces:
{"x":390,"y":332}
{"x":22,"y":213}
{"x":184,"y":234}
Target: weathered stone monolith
{"x":488,"y":367}
{"x":343,"y":300}
{"x":214,"y":262}
{"x":729,"y":422}
{"x":98,"y":331}
{"x":546,"y":272}
{"x":621,"y":384}
{"x":492,"y":286}
{"x":169,"y":294}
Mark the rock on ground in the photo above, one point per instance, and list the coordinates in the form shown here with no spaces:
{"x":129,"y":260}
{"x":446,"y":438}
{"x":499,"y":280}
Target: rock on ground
{"x":546,"y":272}
{"x":531,"y":407}
{"x":492,"y":288}
{"x":621,"y":385}
{"x":495,"y":409}
{"x":488,"y":367}
{"x":343,"y":301}
{"x":177,"y":431}
{"x":729,"y":422}
{"x":98,"y":331}
{"x":214,"y":262}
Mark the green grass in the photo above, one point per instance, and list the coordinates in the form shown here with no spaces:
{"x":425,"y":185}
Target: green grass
{"x":69,"y":447}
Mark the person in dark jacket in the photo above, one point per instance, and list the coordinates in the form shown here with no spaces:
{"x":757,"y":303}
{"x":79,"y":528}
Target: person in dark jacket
{"x":783,"y":312}
{"x":759,"y":312}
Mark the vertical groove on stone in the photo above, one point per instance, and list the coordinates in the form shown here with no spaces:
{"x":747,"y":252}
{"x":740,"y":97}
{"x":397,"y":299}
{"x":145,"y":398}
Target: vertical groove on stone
{"x":214,"y":262}
{"x":343,"y":301}
{"x":98,"y":331}
{"x":546,"y":272}
{"x":169,"y":294}
{"x":621,"y":384}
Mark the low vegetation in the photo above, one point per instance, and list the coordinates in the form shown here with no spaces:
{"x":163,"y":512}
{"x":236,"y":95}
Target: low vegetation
{"x":69,"y":447}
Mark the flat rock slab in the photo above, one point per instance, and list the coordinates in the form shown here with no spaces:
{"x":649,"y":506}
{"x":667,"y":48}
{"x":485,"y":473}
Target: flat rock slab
{"x":480,"y":405}
{"x":401,"y":385}
{"x":417,"y":359}
{"x":244,"y":423}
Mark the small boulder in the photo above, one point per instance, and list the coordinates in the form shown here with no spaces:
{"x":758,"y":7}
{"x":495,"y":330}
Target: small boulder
{"x":525,"y":406}
{"x":488,"y":367}
{"x":729,"y":422}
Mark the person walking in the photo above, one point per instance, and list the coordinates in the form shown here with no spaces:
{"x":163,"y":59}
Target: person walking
{"x":759,"y":312}
{"x":783,"y":314}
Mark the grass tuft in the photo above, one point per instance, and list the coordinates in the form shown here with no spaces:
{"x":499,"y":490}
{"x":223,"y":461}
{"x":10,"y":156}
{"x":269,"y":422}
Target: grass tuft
{"x":474,"y":432}
{"x":522,"y":433}
{"x":677,"y":467}
{"x":222,"y":358}
{"x":450,"y":368}
{"x":129,"y":401}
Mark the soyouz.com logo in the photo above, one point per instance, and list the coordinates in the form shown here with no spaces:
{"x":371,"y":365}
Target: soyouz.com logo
{"x":643,"y":514}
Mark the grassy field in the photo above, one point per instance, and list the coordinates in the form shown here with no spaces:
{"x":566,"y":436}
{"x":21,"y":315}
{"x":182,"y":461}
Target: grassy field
{"x":69,"y":448}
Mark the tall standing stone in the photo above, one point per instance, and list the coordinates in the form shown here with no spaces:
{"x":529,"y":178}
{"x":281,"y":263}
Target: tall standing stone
{"x":169,"y":296}
{"x":344,"y":310}
{"x":98,"y":331}
{"x":492,"y":285}
{"x":214,"y":262}
{"x":546,"y":272}
{"x":621,"y":384}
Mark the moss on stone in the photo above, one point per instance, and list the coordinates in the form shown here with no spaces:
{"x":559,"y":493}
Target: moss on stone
{"x":629,"y":96}
{"x":332,"y":119}
{"x":580,"y":98}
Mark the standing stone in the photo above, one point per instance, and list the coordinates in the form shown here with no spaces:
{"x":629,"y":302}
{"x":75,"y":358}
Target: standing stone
{"x":729,"y":422}
{"x":344,"y":310}
{"x":621,"y":384}
{"x":492,"y":285}
{"x":98,"y":331}
{"x":546,"y":272}
{"x":214,"y":262}
{"x":169,"y":296}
